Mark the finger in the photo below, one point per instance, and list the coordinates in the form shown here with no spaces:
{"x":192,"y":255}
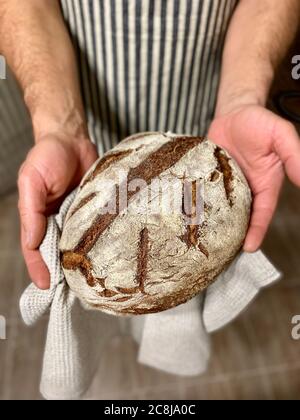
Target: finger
{"x":36,"y":267}
{"x":287,"y":147}
{"x":264,"y":206}
{"x":32,"y":205}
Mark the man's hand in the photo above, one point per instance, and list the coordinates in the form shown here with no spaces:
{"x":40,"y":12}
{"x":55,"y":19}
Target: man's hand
{"x":39,"y":50}
{"x":52,"y":169}
{"x":265,"y":146}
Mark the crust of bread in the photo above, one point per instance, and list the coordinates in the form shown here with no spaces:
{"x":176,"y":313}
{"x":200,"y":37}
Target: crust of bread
{"x":133,"y":263}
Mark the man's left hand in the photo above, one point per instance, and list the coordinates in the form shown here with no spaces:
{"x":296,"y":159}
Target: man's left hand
{"x":266,"y":147}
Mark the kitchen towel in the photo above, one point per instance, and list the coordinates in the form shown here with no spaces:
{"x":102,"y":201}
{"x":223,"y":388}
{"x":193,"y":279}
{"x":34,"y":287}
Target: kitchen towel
{"x":76,"y":337}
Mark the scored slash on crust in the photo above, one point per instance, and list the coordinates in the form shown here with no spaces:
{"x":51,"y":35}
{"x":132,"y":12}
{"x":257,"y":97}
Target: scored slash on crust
{"x":83,"y":202}
{"x":142,"y":259}
{"x":105,"y":163}
{"x":225,"y":168}
{"x":191,"y":234}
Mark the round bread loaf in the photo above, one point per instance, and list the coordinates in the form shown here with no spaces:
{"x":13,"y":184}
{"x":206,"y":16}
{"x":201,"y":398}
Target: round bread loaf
{"x":154,"y":222}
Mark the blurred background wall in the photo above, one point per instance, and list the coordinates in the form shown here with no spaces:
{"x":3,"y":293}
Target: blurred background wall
{"x":15,"y":132}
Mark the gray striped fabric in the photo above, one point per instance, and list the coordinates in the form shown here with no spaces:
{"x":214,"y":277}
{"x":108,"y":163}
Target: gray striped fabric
{"x":148,"y":64}
{"x":144,"y":65}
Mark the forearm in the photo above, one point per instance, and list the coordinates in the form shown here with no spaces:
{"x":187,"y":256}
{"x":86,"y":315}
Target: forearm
{"x":258,"y":37}
{"x":36,"y":44}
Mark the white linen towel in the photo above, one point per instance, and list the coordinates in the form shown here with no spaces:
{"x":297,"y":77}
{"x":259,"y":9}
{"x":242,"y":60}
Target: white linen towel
{"x":176,"y":341}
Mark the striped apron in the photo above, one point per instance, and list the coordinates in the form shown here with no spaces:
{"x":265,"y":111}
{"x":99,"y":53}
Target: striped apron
{"x":145,"y":65}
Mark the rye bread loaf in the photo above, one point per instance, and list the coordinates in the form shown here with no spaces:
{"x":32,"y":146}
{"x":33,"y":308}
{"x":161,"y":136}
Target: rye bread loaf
{"x":125,"y":259}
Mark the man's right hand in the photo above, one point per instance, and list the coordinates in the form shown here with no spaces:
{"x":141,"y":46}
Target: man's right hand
{"x":38,"y":48}
{"x":51,"y":170}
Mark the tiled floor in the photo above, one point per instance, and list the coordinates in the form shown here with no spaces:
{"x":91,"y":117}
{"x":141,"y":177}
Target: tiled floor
{"x":253,"y":358}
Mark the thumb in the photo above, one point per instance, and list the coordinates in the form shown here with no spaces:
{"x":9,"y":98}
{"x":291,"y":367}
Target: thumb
{"x":32,"y":205}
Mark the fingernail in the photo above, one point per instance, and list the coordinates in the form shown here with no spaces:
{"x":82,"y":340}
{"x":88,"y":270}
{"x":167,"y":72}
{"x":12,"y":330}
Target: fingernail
{"x":249,"y":247}
{"x":43,"y":286}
